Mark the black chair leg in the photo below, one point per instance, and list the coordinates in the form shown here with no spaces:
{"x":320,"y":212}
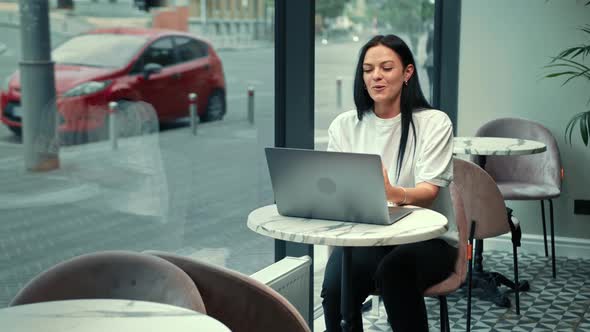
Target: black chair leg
{"x":470,"y":274}
{"x":444,"y":314}
{"x":544,"y":227}
{"x":516,"y":282}
{"x":552,"y":238}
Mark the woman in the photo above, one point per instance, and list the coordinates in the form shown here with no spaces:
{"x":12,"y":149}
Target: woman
{"x":394,"y":120}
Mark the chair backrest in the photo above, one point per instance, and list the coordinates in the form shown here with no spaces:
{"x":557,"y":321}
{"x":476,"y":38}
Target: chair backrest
{"x":482,"y":200}
{"x":113,"y":275}
{"x":237,"y":300}
{"x":456,"y":278}
{"x":542,"y":168}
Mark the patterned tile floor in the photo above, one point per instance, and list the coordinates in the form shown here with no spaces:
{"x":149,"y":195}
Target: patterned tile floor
{"x":561,"y":304}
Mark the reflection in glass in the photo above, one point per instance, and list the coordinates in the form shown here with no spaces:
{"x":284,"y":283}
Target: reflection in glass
{"x":161,"y":188}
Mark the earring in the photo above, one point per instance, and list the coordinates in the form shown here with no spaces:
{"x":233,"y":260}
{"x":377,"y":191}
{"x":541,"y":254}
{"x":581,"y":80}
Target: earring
{"x":406,"y":83}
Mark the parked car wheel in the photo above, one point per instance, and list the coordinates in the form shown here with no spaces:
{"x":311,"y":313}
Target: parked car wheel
{"x":17,"y":131}
{"x":215,"y":106}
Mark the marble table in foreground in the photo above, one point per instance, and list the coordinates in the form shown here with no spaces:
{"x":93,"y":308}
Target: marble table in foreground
{"x":100,"y":315}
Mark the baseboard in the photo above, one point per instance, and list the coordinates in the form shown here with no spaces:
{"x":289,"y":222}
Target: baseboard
{"x":564,"y":246}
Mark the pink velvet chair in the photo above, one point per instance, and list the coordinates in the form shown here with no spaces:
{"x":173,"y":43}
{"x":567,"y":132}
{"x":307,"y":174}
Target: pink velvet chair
{"x":456,"y":279}
{"x":485,"y":209}
{"x":113,"y":275}
{"x":238,"y":301}
{"x":530,"y":177}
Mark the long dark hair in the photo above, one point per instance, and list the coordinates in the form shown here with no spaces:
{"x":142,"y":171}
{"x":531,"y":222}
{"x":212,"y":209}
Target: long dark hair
{"x":411,"y":99}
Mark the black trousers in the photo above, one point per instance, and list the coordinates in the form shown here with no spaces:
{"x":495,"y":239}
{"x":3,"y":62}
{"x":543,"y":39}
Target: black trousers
{"x":401,"y":273}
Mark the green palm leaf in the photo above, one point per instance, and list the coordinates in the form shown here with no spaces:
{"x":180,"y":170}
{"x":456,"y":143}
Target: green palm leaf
{"x":561,"y":74}
{"x":584,"y":130}
{"x":569,"y":129}
{"x":583,"y":120}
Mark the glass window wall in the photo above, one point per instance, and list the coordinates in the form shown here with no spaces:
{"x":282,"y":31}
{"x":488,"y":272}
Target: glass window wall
{"x":136,"y":175}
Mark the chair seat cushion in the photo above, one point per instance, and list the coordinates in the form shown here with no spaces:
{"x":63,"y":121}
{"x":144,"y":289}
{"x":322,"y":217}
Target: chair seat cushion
{"x":527,"y":191}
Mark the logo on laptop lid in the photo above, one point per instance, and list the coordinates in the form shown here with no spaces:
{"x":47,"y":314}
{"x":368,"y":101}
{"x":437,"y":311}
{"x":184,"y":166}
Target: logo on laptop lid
{"x":326,"y":186}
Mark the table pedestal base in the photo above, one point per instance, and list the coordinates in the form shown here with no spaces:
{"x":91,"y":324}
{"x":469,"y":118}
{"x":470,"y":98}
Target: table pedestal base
{"x":345,"y":287}
{"x":489,"y":283}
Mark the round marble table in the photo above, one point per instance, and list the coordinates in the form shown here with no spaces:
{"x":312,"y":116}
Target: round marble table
{"x":420,"y":225}
{"x":493,"y":146}
{"x":496,"y":146}
{"x":98,"y":315}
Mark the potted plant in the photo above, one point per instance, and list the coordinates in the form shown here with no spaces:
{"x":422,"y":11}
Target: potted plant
{"x":570,"y":64}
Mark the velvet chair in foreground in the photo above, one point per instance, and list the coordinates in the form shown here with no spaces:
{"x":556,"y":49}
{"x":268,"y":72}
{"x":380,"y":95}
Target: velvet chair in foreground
{"x":238,"y":301}
{"x":485,"y":209}
{"x":530,"y":177}
{"x":113,"y":275}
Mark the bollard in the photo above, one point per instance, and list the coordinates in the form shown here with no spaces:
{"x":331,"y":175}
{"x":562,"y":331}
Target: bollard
{"x":113,"y":124}
{"x":251,"y":105}
{"x":339,"y":92}
{"x":192,"y":99}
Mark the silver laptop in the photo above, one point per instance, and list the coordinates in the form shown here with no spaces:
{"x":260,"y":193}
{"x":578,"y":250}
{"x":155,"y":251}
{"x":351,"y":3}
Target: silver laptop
{"x":330,"y":185}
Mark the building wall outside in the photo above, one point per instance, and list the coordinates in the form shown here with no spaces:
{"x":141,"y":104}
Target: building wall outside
{"x":505,"y":45}
{"x":232,"y":22}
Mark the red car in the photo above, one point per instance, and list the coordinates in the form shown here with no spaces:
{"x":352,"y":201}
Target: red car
{"x":159,"y":67}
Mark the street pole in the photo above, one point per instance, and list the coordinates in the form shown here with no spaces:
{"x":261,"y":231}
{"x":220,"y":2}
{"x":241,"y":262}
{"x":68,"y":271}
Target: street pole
{"x":339,"y":93}
{"x":113,"y":130}
{"x":40,"y":140}
{"x":192,"y":99}
{"x":251,"y":105}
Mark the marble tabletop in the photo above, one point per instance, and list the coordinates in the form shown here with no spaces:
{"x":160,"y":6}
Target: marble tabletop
{"x":421,"y":224}
{"x":496,"y":146}
{"x":99,"y":315}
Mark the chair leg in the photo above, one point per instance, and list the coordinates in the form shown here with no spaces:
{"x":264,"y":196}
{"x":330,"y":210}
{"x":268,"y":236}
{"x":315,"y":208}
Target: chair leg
{"x":552,"y":238}
{"x":470,"y":274}
{"x":516,"y":282}
{"x":544,"y":226}
{"x":444,"y":314}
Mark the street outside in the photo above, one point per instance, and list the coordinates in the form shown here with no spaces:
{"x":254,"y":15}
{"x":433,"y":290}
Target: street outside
{"x":170,"y":191}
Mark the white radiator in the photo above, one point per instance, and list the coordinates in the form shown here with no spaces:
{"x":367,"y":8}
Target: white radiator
{"x":290,"y":278}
